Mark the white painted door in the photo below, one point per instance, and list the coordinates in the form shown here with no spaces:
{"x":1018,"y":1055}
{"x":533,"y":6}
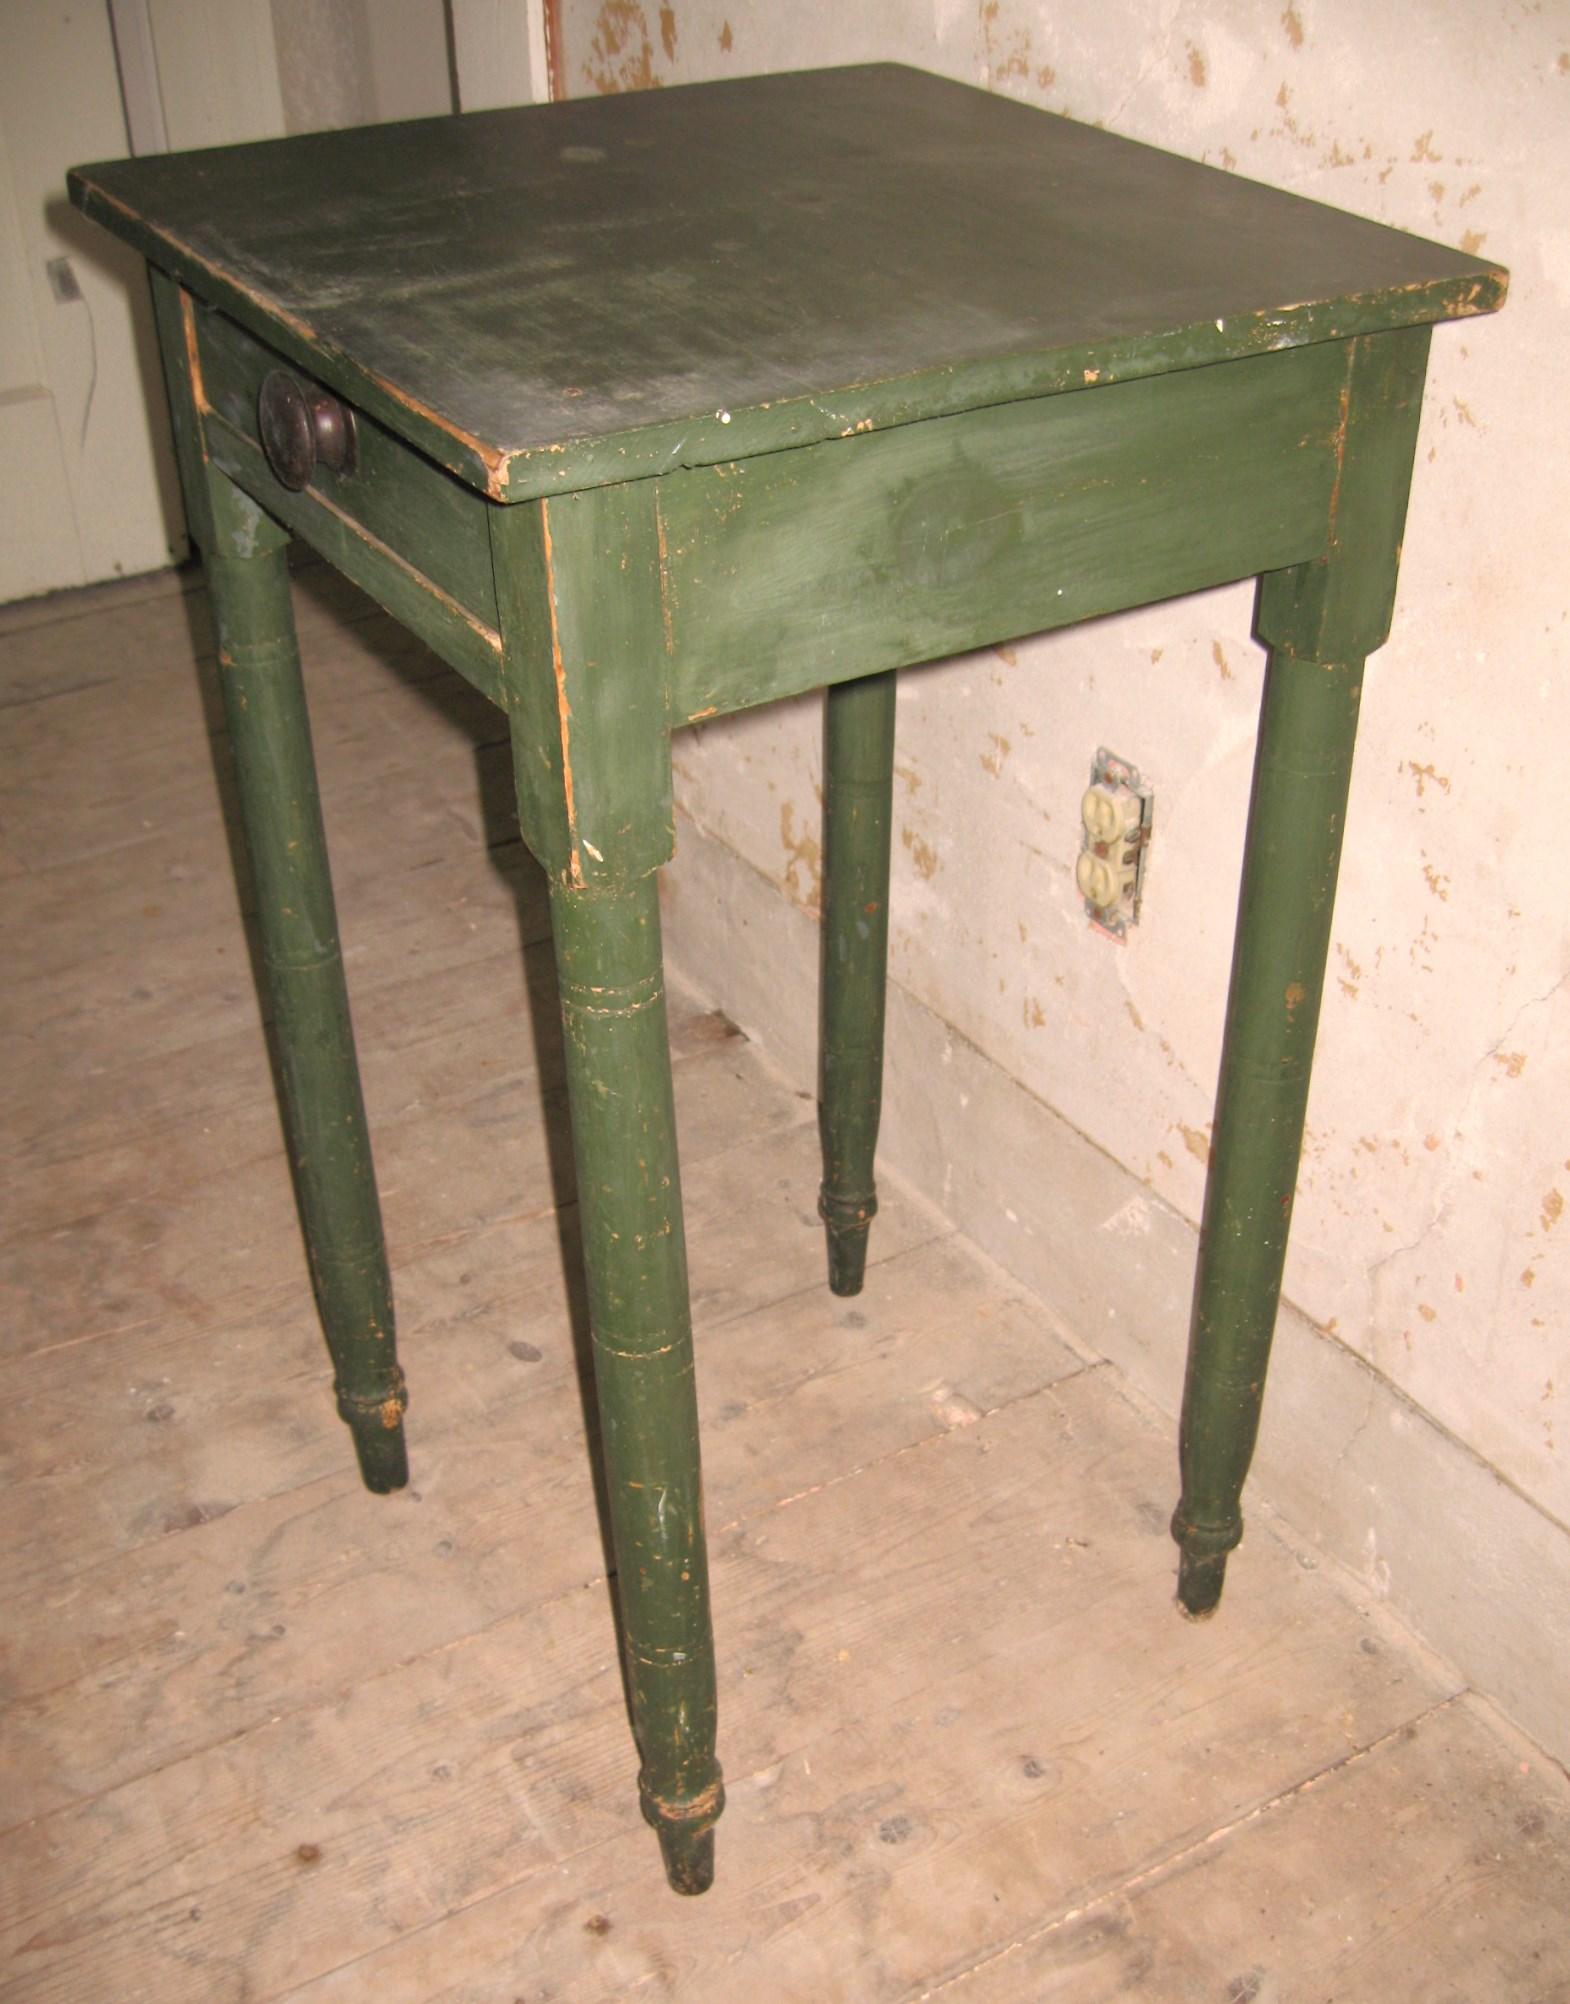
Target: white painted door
{"x":499,"y":53}
{"x":87,"y":486}
{"x":87,"y":482}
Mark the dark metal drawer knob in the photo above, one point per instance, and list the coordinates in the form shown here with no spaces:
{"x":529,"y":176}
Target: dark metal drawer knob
{"x":301,"y":427}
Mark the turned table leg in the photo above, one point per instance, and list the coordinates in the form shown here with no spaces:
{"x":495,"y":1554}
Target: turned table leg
{"x":318,"y":1079}
{"x":858,"y":779}
{"x":609,"y":968}
{"x":1320,"y":620}
{"x":578,"y":579}
{"x":1298,"y":810}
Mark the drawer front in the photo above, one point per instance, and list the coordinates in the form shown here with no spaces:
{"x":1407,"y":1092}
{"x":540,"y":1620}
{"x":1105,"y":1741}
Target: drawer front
{"x":408,"y":532}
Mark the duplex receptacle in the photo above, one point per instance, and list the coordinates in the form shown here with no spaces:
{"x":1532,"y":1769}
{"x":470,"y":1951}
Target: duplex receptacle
{"x":1115,"y":815}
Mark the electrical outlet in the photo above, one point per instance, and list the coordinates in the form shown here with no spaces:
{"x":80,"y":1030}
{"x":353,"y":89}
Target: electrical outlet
{"x":1115,"y":815}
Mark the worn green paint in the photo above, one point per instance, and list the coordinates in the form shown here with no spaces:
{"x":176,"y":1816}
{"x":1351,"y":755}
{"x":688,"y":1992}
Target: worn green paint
{"x":1307,"y":725}
{"x":587,"y":292}
{"x":752,"y":388}
{"x":1318,"y":620}
{"x":578,"y":584}
{"x":579,"y":581}
{"x":397,"y":498}
{"x":858,"y":815}
{"x":1339,"y":608}
{"x":318,"y":1080}
{"x":396,"y":584}
{"x":895,"y":548}
{"x":172,"y":311}
{"x":608,"y":963}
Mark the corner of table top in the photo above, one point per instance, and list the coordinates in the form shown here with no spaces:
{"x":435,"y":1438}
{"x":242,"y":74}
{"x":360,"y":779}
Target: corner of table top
{"x":509,"y":471}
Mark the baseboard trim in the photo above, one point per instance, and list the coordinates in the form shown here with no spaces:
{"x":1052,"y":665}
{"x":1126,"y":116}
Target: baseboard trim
{"x":1364,"y":1475}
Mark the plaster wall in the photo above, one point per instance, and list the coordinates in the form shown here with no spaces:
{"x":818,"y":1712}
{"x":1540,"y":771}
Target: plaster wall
{"x":359,"y":62}
{"x":1430,"y":1240}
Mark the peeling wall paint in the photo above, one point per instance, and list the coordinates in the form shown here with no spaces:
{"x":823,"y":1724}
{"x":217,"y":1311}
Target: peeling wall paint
{"x":1430,"y":1234}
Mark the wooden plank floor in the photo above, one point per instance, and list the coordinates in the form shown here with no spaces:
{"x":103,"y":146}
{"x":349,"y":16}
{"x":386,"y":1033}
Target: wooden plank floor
{"x":268,"y":1737}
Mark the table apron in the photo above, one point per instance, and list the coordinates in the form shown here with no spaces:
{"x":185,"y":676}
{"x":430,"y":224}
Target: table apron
{"x":785,"y":572}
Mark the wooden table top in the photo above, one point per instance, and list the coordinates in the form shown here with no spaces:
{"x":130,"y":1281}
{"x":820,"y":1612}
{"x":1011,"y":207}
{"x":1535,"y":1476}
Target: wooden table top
{"x":563,"y":295}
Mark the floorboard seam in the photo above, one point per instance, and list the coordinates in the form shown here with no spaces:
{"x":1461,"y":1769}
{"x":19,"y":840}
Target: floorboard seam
{"x":1354,"y":1757}
{"x":550,"y":1600}
{"x":701,"y":1323}
{"x":1083,"y":1370}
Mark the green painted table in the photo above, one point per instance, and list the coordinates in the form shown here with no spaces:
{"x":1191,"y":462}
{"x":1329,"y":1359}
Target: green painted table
{"x":649,"y":409}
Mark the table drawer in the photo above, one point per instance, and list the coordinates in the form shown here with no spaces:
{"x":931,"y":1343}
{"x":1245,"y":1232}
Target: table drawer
{"x":414,"y":537}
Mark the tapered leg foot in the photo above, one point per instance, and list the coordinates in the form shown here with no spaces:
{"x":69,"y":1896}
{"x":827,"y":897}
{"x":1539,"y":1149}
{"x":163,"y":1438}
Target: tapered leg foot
{"x":686,"y":1834}
{"x":689,"y":1859}
{"x":858,"y":783}
{"x":1199,"y":1585}
{"x":376,"y":1427}
{"x":1202,"y":1563}
{"x":847,"y":1238}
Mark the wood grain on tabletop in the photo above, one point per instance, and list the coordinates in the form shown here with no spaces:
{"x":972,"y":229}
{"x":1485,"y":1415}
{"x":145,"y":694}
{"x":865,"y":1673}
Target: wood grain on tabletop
{"x":568,"y":294}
